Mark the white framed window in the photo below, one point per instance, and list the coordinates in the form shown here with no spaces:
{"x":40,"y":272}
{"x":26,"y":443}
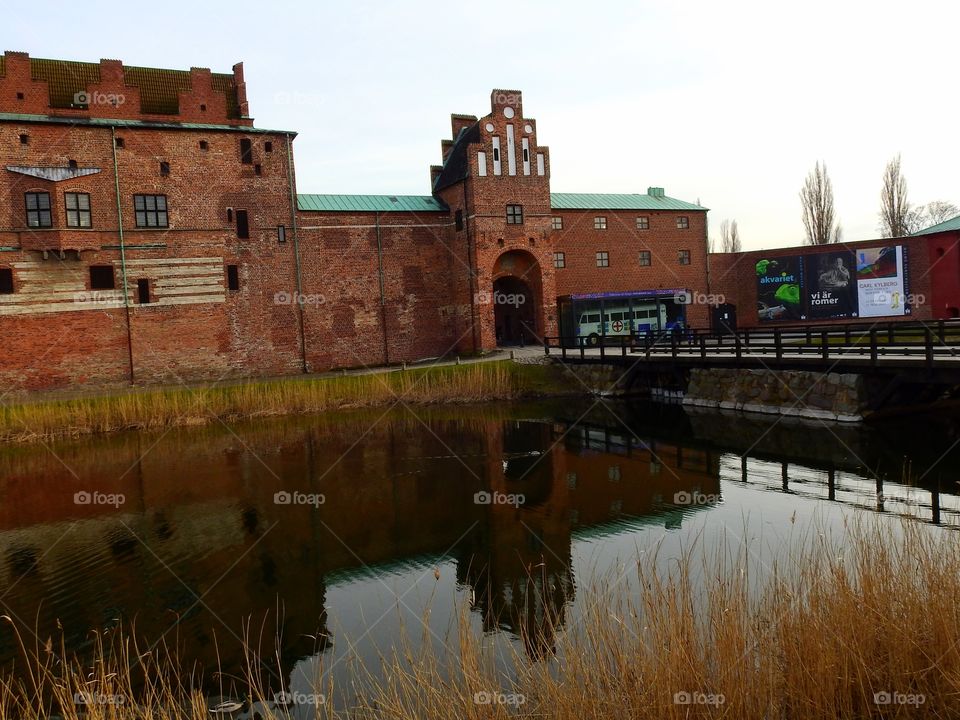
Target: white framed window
{"x":600,"y":223}
{"x":603,"y":258}
{"x":556,"y":223}
{"x":559,"y":260}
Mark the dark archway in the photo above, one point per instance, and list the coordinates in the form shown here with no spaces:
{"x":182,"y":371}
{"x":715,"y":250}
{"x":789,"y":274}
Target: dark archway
{"x":514,"y":311}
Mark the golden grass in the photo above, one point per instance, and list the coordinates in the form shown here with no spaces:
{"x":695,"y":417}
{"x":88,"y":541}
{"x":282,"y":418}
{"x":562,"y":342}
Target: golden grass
{"x":826,"y":630}
{"x":162,"y":408}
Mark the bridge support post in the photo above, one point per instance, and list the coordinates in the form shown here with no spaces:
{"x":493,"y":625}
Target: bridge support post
{"x":873,"y":346}
{"x":778,"y":344}
{"x":928,"y":346}
{"x":824,"y":345}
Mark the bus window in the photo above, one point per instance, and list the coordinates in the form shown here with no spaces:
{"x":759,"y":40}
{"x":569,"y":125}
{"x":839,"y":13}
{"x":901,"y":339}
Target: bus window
{"x":616,"y":316}
{"x":595,"y":318}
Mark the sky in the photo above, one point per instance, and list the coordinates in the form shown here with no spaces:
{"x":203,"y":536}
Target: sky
{"x":729,"y":103}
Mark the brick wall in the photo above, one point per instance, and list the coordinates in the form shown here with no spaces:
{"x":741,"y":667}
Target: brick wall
{"x":59,"y":332}
{"x":580,"y":241}
{"x":734,"y":276}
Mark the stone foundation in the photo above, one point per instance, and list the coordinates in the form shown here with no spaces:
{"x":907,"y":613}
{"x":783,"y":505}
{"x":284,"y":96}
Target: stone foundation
{"x":799,"y":393}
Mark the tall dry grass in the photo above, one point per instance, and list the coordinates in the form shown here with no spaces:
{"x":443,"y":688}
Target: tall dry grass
{"x":152,"y":409}
{"x":831,"y":629}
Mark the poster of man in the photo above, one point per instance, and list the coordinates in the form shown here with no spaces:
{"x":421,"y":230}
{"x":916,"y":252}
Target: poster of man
{"x":831,"y":285}
{"x":779,"y":283}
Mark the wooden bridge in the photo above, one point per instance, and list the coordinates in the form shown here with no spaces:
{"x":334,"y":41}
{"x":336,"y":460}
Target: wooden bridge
{"x":904,"y":345}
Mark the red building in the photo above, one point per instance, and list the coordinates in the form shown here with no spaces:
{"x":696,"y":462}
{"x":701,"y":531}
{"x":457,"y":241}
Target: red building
{"x":150,"y":233}
{"x":888,"y":279}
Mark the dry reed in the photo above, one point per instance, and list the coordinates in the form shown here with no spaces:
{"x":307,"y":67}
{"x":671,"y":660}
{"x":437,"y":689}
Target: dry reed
{"x":157,"y":409}
{"x":865,"y":625}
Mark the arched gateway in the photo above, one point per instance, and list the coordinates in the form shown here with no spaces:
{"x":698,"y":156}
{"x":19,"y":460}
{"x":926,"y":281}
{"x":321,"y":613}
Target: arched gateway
{"x":517,"y":298}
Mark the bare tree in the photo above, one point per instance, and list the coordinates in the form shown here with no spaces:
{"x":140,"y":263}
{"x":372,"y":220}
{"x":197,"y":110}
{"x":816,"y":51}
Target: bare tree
{"x":933,"y":213}
{"x":729,"y":237}
{"x":894,"y":206}
{"x":816,"y":197}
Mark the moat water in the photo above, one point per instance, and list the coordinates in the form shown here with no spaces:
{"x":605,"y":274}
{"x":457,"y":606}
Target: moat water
{"x":319,"y":540}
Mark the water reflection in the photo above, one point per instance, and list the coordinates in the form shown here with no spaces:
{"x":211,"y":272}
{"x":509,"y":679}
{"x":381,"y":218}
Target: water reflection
{"x":216,"y":542}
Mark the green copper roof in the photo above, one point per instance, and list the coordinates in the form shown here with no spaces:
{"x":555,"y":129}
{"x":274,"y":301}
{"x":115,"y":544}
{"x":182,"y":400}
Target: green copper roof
{"x":370,"y":203}
{"x":617,"y":201}
{"x":945,"y":226}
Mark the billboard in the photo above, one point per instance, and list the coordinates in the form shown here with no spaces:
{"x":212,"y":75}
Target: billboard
{"x":881,"y":282}
{"x":866,"y":282}
{"x":831,"y":287}
{"x":779,"y":288}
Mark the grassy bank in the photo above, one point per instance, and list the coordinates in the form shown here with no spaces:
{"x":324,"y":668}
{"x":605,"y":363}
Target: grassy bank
{"x":862,"y":626}
{"x":162,"y":408}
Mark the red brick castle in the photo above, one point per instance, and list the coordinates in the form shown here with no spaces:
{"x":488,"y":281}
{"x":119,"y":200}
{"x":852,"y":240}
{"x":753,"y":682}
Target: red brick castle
{"x":150,"y":233}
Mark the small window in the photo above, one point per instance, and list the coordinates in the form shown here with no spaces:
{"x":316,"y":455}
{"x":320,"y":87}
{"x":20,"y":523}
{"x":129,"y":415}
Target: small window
{"x":102,"y":277}
{"x":118,"y":142}
{"x":204,"y":145}
{"x":6,"y":281}
{"x":683,"y":223}
{"x":164,"y":169}
{"x":72,"y":164}
{"x":268,"y":146}
{"x":38,"y":210}
{"x":643,"y":223}
{"x":646,"y":259}
{"x":281,"y":233}
{"x":233,"y":278}
{"x":246,"y":152}
{"x":203,"y":108}
{"x":458,"y":220}
{"x":603,"y":258}
{"x":24,"y":139}
{"x":150,"y":211}
{"x":514,"y":214}
{"x":78,"y":210}
{"x":143,"y":291}
{"x":19,"y":96}
{"x":600,"y":223}
{"x":257,"y":169}
{"x":230,"y":215}
{"x":556,"y":223}
{"x":243,"y":225}
{"x":559,"y":260}
{"x":683,"y":257}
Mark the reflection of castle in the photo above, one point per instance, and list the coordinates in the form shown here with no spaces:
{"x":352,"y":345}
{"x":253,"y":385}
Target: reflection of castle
{"x":200,"y":549}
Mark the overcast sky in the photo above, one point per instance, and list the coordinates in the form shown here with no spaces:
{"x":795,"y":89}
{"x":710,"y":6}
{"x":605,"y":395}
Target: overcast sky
{"x":730,"y":102}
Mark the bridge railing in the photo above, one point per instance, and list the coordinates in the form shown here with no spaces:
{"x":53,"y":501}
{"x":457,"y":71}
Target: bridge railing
{"x":930,"y":340}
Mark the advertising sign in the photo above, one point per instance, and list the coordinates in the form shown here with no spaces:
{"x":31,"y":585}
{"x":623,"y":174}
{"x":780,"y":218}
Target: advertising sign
{"x":831,"y":287}
{"x":881,"y":282}
{"x":779,"y":288}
